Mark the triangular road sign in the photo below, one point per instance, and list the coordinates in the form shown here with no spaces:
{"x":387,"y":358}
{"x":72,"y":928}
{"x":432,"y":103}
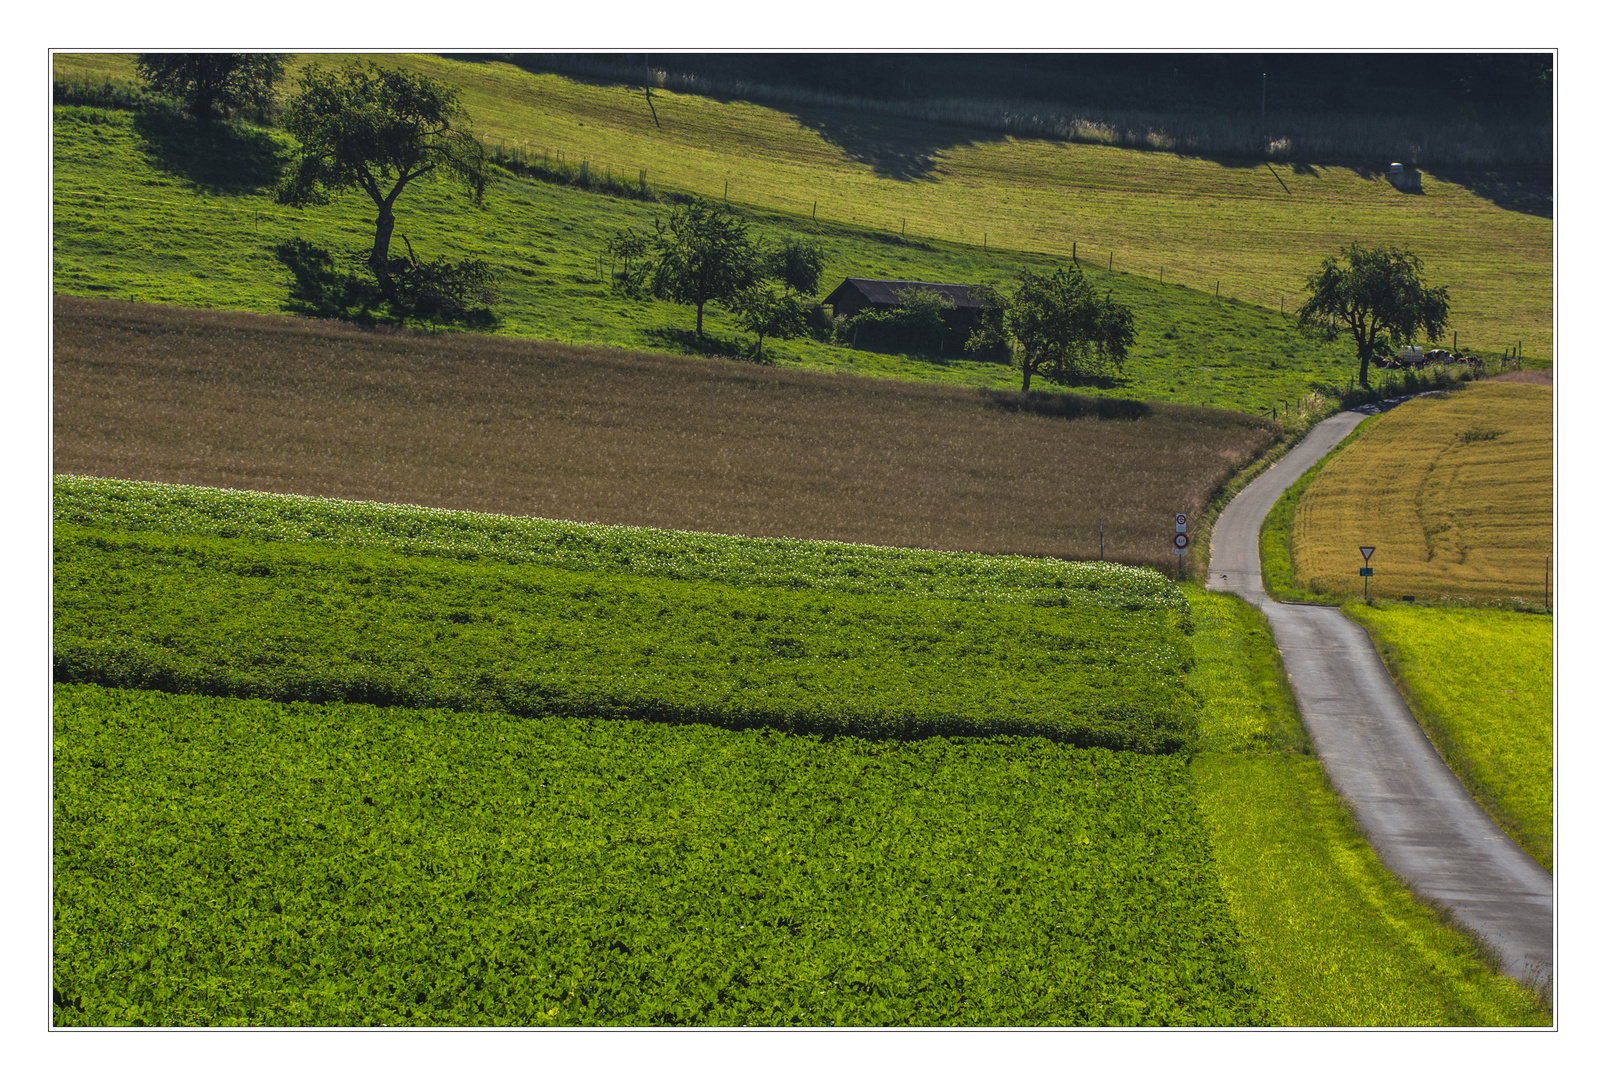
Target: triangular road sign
{"x":1366,"y":553}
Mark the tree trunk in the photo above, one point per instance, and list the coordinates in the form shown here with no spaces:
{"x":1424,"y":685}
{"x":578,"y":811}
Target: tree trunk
{"x":1365,"y":361}
{"x":379,"y":258}
{"x":1026,"y":378}
{"x":699,"y":319}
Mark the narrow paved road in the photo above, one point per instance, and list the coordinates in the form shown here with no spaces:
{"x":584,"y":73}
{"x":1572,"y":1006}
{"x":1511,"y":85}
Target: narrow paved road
{"x":1421,"y":821}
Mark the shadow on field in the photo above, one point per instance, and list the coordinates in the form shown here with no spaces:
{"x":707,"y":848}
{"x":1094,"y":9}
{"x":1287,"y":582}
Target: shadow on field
{"x":675,"y":340}
{"x":1525,"y":191}
{"x":1066,"y":406}
{"x":896,"y":149}
{"x":218,"y":158}
{"x":319,"y":289}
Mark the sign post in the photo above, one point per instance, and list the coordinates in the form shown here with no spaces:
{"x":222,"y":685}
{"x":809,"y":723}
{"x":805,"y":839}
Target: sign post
{"x":1181,"y":542}
{"x":1366,"y":573}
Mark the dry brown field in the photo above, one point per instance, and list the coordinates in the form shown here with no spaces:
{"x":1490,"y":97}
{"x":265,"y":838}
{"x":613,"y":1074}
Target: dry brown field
{"x":1456,"y":492}
{"x":581,"y":433}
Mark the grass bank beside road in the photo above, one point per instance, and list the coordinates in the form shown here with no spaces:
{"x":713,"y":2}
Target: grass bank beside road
{"x":1335,"y":938}
{"x":1481,"y":685}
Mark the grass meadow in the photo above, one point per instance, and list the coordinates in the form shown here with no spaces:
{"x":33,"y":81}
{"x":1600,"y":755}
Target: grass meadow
{"x":195,"y":225}
{"x":1481,"y":683}
{"x":586,"y":433}
{"x":965,"y":210}
{"x":1455,"y":492}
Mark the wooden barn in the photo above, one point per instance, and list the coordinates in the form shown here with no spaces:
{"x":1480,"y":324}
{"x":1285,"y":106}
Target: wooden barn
{"x":856,"y":294}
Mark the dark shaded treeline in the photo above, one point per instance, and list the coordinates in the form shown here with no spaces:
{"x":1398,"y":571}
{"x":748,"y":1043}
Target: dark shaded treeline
{"x":1470,"y":85}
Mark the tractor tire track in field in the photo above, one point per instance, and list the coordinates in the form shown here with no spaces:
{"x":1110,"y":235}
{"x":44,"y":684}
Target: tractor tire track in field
{"x":1420,"y":819}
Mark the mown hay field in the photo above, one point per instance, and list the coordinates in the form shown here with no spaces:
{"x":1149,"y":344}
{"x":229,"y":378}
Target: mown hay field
{"x":580,"y":433}
{"x":1455,"y":491}
{"x":1255,"y":228}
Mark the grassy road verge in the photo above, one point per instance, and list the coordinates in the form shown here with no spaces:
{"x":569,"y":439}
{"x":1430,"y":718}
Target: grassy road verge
{"x":1335,"y":938}
{"x":1481,"y":685}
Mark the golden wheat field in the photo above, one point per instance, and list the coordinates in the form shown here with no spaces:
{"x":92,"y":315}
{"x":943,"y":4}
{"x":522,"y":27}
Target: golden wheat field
{"x":1455,"y":492}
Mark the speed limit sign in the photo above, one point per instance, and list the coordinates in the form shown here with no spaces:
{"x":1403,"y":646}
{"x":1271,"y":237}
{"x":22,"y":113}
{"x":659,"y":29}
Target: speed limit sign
{"x":1182,"y":543}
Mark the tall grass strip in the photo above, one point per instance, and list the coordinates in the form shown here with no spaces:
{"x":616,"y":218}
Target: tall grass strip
{"x":316,"y":622}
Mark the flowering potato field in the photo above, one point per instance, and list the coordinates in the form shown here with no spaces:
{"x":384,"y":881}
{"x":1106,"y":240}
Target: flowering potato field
{"x":1072,"y":653}
{"x":220,"y":861}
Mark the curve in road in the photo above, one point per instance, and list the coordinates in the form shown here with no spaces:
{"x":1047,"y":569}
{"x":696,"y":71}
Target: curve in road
{"x":1418,"y":816}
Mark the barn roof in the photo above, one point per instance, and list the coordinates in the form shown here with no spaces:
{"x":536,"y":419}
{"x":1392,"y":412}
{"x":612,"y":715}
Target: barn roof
{"x":876,"y":291}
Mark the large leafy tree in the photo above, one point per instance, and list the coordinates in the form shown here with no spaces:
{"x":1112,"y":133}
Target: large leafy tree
{"x":212,"y":84}
{"x":378,"y":130}
{"x":1056,"y":325}
{"x":702,"y":253}
{"x":1377,"y":296}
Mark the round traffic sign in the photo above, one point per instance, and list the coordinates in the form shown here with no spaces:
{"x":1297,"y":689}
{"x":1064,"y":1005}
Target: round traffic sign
{"x":1182,"y":541}
{"x":1182,"y":521}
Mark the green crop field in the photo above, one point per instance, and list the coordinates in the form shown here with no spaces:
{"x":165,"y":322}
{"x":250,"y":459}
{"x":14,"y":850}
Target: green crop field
{"x":316,"y":860}
{"x":1095,"y":657}
{"x":242,"y":862}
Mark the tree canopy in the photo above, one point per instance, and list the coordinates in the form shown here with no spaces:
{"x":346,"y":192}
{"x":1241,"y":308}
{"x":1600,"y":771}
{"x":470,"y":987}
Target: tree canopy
{"x":210,"y":84}
{"x":1379,"y":297}
{"x":378,"y":130}
{"x":1056,"y":325}
{"x":702,"y":253}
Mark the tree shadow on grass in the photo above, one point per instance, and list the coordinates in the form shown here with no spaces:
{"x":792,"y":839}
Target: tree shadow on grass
{"x":671,"y":339}
{"x":1066,"y":406}
{"x":319,"y":289}
{"x":218,"y":157}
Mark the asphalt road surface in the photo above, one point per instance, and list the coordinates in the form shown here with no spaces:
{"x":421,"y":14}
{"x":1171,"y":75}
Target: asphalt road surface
{"x":1421,"y":821}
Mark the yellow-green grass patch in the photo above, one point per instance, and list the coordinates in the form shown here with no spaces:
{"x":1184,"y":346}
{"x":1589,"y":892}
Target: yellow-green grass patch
{"x":1336,"y":940}
{"x":1480,"y":683}
{"x":1256,"y":229}
{"x":1455,"y":492}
